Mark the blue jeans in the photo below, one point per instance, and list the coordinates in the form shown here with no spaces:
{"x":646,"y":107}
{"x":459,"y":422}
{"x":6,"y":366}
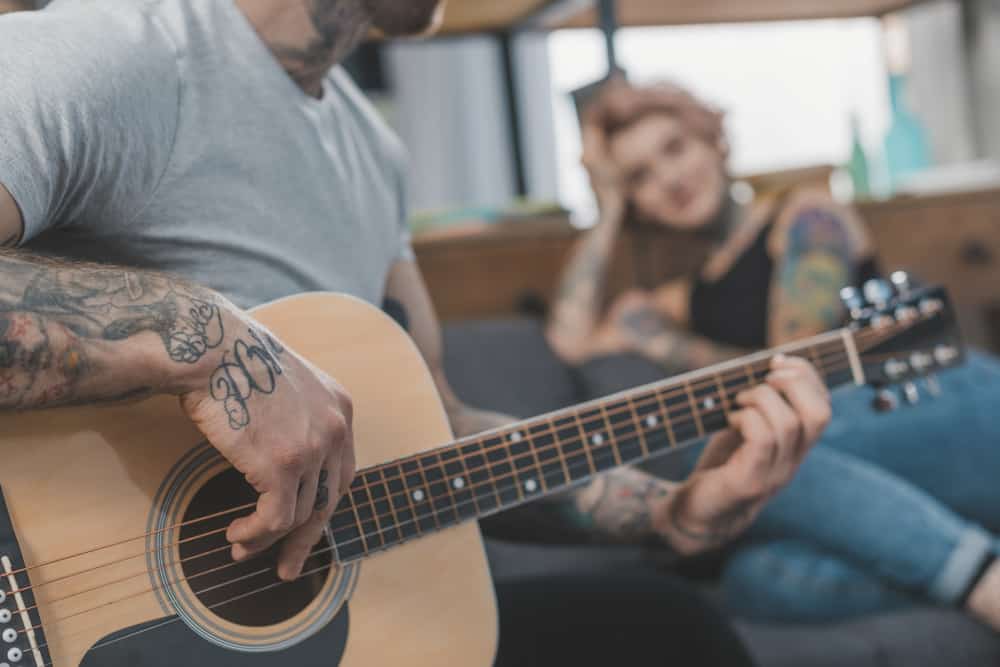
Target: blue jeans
{"x":887,"y":511}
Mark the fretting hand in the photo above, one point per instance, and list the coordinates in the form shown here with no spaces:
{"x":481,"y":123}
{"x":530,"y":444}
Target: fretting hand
{"x":743,"y":467}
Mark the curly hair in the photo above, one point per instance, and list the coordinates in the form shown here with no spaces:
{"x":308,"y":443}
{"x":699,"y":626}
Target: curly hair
{"x":620,"y":105}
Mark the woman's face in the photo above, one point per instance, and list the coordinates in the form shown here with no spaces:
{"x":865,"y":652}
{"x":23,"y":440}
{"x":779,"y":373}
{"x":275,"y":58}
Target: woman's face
{"x":671,"y":176}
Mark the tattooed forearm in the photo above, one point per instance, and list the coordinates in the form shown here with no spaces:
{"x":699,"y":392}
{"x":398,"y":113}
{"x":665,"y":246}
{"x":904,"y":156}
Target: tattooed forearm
{"x":653,"y":335}
{"x":817,"y":263}
{"x":576,"y":310}
{"x":618,"y":507}
{"x":250,"y":368}
{"x":722,"y":529}
{"x":59,"y":324}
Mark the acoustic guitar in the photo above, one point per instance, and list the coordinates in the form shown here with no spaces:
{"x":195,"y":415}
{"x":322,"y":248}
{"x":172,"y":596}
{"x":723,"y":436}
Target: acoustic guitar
{"x":112,"y":519}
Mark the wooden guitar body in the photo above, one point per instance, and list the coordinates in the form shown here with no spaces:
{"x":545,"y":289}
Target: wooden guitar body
{"x":77,"y":480}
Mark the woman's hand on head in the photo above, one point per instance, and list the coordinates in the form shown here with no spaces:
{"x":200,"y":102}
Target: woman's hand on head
{"x":605,"y":177}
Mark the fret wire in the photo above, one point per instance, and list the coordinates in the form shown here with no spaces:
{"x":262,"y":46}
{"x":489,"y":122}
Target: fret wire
{"x":357,"y":520}
{"x":584,"y":442}
{"x":612,"y":438}
{"x":427,"y":492}
{"x":723,"y":395}
{"x":512,"y":475}
{"x":538,"y":462}
{"x":448,"y":487}
{"x":511,"y":457}
{"x":409,"y":496}
{"x":694,"y":410}
{"x":659,"y":398}
{"x":557,"y":443}
{"x":668,"y":425}
{"x":468,"y":476}
{"x":371,"y":499}
{"x":392,"y":507}
{"x":489,"y":471}
{"x":638,"y":428}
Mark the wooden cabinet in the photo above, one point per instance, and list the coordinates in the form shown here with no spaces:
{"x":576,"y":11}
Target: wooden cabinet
{"x":953,"y":240}
{"x":514,"y":267}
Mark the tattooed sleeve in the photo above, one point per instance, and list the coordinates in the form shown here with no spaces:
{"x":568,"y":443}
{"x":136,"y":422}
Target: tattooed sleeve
{"x":59,"y":324}
{"x":817,"y":263}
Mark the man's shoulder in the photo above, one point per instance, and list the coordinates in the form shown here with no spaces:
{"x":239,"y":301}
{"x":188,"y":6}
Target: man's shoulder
{"x":115,"y":36}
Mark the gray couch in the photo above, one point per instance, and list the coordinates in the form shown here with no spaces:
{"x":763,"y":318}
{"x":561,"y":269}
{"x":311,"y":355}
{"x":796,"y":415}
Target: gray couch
{"x":507,"y":366}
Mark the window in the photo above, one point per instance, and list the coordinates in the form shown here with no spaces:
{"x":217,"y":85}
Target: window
{"x":788,"y":88}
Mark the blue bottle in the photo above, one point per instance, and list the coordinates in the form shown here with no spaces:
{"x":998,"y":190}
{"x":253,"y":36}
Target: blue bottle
{"x":906,"y":147}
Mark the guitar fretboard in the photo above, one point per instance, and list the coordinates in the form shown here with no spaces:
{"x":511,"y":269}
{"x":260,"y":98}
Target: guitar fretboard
{"x":479,"y":476}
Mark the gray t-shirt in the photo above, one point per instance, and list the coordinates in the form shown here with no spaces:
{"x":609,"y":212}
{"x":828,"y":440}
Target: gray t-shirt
{"x":163,"y":134}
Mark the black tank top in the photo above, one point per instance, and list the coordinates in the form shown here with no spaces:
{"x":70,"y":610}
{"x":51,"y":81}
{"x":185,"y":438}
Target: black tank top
{"x":734,"y":309}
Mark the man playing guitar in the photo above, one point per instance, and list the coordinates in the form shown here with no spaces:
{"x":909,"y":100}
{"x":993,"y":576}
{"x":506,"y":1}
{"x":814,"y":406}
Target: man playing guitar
{"x":217,"y":140}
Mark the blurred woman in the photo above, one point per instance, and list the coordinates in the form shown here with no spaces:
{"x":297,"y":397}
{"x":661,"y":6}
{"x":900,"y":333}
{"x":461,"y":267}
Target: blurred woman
{"x":889,"y":509}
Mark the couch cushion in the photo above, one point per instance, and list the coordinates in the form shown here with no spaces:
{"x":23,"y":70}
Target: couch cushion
{"x":922,"y":637}
{"x":507,"y":366}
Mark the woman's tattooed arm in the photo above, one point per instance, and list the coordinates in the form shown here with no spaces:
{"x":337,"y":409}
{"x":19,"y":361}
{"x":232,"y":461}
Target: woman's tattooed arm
{"x":74,"y":333}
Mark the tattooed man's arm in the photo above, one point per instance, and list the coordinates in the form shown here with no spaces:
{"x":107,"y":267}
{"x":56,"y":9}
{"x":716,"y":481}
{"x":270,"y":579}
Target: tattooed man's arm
{"x":74,"y":334}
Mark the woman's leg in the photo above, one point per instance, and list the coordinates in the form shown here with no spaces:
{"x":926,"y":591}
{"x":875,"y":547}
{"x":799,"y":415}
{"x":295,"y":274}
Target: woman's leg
{"x":949,"y":445}
{"x":875,"y":523}
{"x":792,"y":582}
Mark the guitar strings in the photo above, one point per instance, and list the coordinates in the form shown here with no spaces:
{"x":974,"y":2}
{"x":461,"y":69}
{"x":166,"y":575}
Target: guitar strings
{"x":379,"y":531}
{"x":728,"y":374}
{"x":376,"y":517}
{"x":333,"y":547}
{"x":366,"y":487}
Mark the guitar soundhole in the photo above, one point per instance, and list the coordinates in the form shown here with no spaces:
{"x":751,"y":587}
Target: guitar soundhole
{"x":248,"y":593}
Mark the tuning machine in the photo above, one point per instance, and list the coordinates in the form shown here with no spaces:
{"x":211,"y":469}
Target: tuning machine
{"x":901,"y":281}
{"x":878,"y":292}
{"x":885,"y":401}
{"x":853,"y":301}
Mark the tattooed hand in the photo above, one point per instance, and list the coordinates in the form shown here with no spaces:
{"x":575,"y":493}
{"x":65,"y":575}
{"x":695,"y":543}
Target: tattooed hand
{"x":286,"y":426}
{"x":742,"y":468}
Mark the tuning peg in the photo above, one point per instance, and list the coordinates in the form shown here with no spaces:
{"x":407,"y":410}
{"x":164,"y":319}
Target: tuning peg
{"x":901,"y":281}
{"x":885,"y":401}
{"x":853,"y":301}
{"x":933,"y":385}
{"x":910,"y":393}
{"x":877,"y":292}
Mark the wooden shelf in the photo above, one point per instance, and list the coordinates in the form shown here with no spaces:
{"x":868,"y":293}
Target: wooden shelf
{"x":465,"y":16}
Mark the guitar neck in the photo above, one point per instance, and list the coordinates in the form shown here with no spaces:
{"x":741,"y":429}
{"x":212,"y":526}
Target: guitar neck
{"x":479,"y":476}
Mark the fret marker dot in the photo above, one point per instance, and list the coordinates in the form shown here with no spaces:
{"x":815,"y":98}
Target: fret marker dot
{"x":531,"y":486}
{"x":651,"y":421}
{"x":709,"y":403}
{"x":418,"y":495}
{"x":458,"y":483}
{"x":516,"y":436}
{"x":598,"y":439}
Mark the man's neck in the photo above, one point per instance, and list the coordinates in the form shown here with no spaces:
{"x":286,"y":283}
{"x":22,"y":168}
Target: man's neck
{"x":308,"y":37}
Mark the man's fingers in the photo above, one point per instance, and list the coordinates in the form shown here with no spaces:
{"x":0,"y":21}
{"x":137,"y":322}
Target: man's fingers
{"x":298,"y":546}
{"x":784,"y":426}
{"x":274,"y":516}
{"x":308,"y":490}
{"x":810,"y":402}
{"x":752,"y":461}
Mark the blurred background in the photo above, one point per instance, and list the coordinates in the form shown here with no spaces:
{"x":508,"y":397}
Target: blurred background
{"x":892,"y":104}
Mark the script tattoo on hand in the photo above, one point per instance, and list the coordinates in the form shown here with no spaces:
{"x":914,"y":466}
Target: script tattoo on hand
{"x":249,"y":368}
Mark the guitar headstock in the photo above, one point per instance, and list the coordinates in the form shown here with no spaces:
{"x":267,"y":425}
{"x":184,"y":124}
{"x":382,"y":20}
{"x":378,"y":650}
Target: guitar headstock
{"x":903,"y":335}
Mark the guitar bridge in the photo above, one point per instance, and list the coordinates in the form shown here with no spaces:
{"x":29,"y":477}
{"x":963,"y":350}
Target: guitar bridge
{"x":16,"y":643}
